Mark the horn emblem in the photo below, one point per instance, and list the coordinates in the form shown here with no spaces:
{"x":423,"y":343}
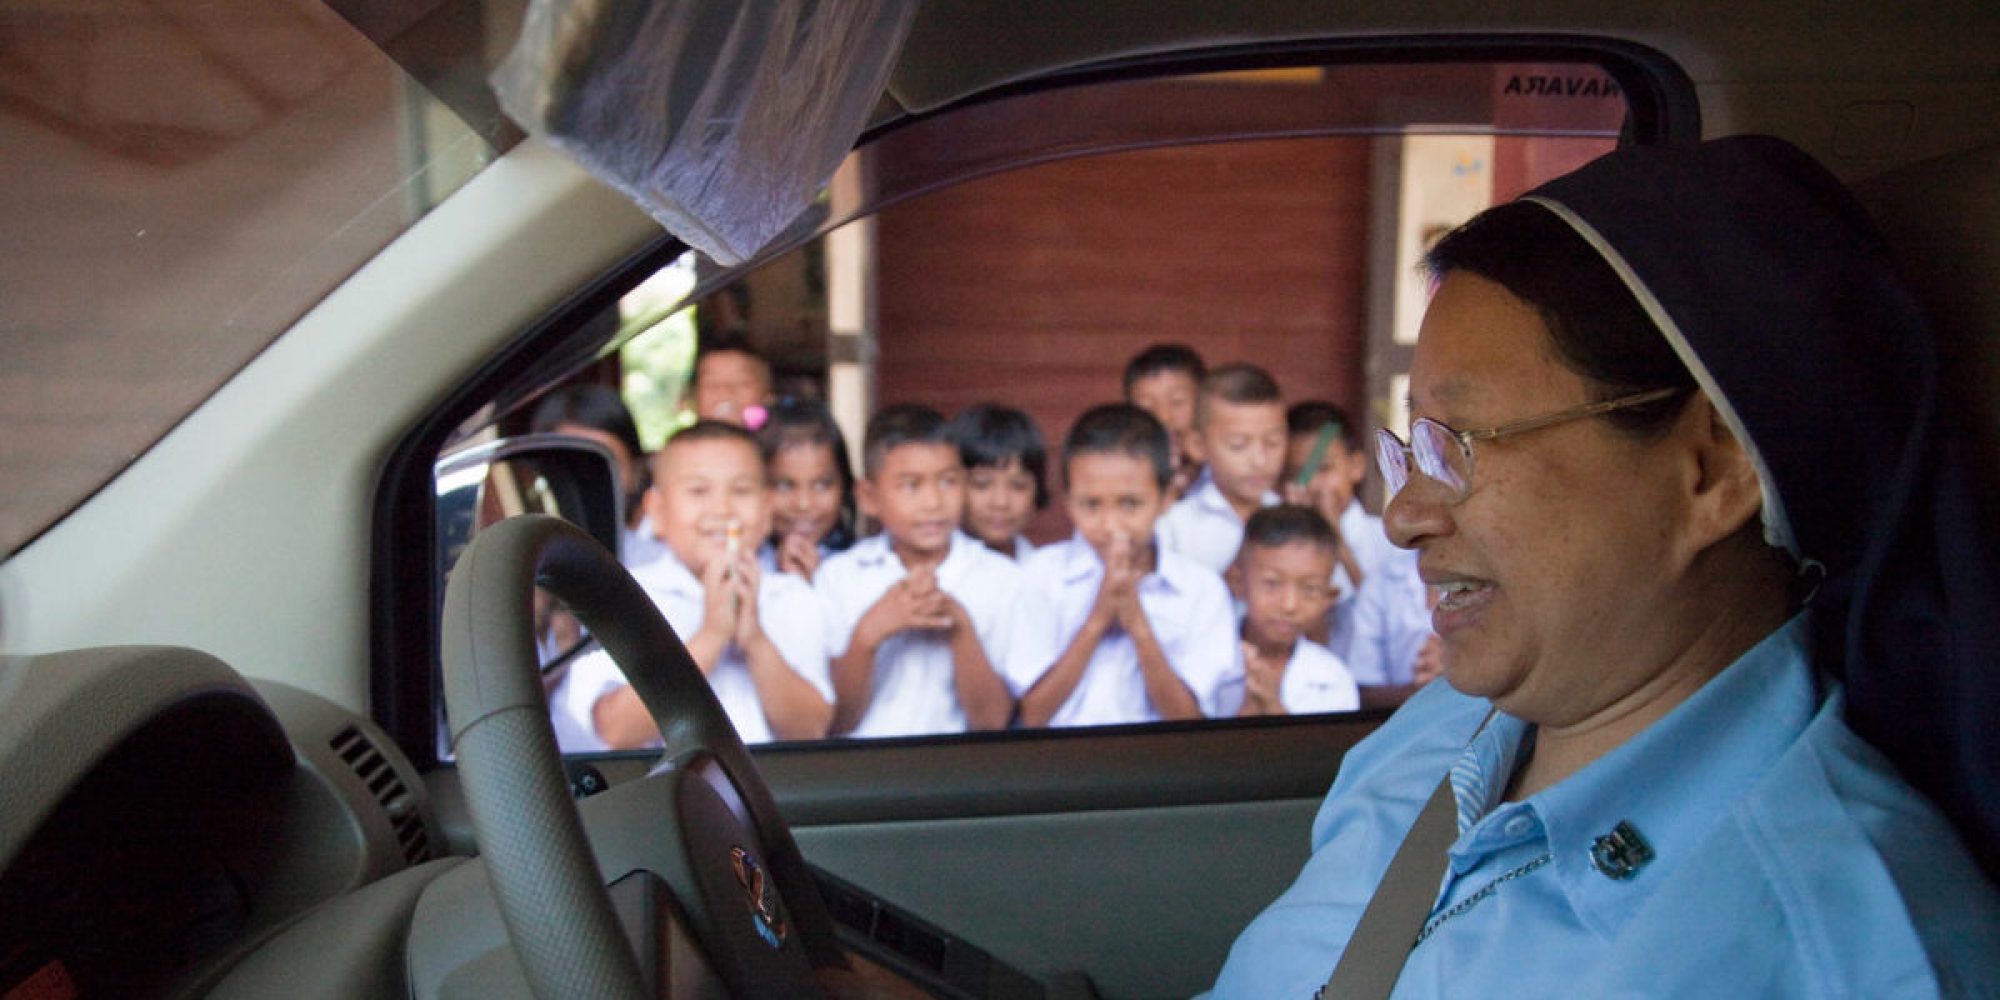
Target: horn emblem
{"x":758,"y":893}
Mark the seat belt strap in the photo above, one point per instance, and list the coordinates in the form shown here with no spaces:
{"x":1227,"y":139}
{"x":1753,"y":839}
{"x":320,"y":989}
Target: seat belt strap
{"x":1381,"y":943}
{"x":1395,"y":914}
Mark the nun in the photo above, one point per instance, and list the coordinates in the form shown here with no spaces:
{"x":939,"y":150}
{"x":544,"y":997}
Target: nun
{"x":1718,"y":618}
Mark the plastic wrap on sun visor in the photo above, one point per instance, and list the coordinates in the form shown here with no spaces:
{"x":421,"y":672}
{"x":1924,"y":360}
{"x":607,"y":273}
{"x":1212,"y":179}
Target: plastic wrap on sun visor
{"x":722,"y":119}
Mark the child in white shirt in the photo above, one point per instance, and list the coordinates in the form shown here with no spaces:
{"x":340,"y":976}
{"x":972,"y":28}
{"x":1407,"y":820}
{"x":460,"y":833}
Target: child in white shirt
{"x":758,"y":636}
{"x":812,"y":488}
{"x":1380,"y":621}
{"x":1283,"y":574}
{"x":1163,"y":380}
{"x":1239,"y":420}
{"x":922,"y":614}
{"x":1005,"y":468}
{"x":1142,"y":633}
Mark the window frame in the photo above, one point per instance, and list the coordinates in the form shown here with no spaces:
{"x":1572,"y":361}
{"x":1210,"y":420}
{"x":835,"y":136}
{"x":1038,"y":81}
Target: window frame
{"x":405,"y":593}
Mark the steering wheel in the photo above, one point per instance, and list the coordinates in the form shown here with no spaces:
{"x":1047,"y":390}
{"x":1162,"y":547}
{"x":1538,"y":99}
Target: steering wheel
{"x":715,"y":836}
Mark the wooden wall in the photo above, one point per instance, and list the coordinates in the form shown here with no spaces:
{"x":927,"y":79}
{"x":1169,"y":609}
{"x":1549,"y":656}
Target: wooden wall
{"x":1033,"y":288}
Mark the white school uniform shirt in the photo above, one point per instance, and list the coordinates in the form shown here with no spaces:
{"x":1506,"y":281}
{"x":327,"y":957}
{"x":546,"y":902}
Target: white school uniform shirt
{"x":786,"y":608}
{"x":1317,"y":681}
{"x":914,"y":689}
{"x":1204,"y":528}
{"x":1370,"y":544}
{"x":639,"y":545}
{"x":1192,"y":617}
{"x":1379,"y":632}
{"x":1022,"y":548}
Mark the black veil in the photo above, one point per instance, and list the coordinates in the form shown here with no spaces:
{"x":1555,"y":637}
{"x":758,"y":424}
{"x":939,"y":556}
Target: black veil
{"x":1775,"y":289}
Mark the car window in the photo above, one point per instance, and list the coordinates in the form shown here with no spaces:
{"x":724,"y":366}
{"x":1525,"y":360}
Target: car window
{"x":180,"y":187}
{"x":1013,"y":260}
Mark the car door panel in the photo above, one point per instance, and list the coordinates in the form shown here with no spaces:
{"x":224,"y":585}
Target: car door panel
{"x":1145,"y":901}
{"x":1132,"y":854}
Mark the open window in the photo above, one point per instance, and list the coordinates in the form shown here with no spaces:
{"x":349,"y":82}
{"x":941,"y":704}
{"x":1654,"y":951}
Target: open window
{"x":1022,"y":249}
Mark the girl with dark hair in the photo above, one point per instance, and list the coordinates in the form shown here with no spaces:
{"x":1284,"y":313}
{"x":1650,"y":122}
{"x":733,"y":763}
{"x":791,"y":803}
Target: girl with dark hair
{"x":1006,"y":475}
{"x":812,"y":487}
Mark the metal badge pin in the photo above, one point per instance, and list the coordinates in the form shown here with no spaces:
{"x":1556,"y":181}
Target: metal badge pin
{"x":1621,"y":853}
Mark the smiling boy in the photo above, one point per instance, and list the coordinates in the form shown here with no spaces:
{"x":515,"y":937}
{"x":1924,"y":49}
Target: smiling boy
{"x":1144,"y":633}
{"x":1239,"y":418}
{"x":1282,"y":573}
{"x":921,"y":613}
{"x":758,"y":636}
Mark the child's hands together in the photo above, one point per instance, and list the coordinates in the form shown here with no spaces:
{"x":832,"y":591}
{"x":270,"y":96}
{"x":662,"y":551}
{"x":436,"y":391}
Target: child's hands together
{"x":913,"y":603}
{"x":1118,"y":594}
{"x":1262,"y":679}
{"x":720,"y":599}
{"x":729,"y":597}
{"x":744,"y":577}
{"x":798,"y":554}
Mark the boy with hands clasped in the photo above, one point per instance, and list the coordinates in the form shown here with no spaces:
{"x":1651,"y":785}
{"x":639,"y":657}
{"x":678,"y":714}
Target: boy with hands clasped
{"x":758,"y":636}
{"x":924,"y":616}
{"x":1143,"y":633}
{"x":1283,"y":574}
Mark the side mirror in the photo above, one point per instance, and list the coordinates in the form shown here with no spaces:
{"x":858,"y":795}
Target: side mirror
{"x":568,"y":477}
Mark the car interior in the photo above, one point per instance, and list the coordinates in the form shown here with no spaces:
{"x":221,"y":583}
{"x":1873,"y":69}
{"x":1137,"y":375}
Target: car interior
{"x":283,"y":282}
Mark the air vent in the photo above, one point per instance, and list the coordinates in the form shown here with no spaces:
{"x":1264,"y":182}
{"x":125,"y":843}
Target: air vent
{"x":374,"y":770}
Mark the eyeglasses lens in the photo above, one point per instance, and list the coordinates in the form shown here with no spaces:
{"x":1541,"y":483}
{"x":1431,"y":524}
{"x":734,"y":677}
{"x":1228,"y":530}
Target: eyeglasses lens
{"x":1392,"y":460}
{"x":1441,"y":456}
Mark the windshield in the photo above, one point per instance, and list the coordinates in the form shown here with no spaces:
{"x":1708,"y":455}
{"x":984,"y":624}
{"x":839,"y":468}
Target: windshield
{"x":181,"y":183}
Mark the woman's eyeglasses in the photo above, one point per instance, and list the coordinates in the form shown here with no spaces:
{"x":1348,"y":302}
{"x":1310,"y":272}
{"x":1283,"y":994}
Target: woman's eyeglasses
{"x":1445,"y":455}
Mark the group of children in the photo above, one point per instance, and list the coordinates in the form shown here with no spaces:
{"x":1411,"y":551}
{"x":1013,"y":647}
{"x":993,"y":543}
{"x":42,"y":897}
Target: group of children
{"x":1217,"y":551}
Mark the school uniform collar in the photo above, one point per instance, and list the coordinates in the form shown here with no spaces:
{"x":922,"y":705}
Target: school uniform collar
{"x":667,"y":575}
{"x":871,"y":551}
{"x":1302,"y":650}
{"x":1672,"y":783}
{"x":875,"y":551}
{"x":1080,"y":562}
{"x":1209,"y":497}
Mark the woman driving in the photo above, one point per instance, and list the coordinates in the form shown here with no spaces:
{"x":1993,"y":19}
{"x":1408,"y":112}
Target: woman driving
{"x":1675,"y":472}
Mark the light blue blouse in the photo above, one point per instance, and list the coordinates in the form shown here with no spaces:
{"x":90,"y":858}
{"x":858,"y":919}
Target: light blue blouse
{"x":1787,"y":859}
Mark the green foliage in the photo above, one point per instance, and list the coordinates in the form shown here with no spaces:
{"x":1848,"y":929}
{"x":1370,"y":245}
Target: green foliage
{"x":657,"y":364}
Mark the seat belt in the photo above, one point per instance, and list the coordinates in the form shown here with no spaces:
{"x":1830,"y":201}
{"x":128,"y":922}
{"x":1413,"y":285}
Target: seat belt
{"x":1381,"y":942}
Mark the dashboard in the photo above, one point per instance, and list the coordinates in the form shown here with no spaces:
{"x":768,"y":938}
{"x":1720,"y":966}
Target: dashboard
{"x":160,"y":817}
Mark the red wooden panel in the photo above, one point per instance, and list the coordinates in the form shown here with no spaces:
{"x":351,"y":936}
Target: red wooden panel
{"x":1033,"y":288}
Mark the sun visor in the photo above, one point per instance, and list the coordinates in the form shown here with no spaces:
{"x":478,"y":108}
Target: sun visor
{"x":722,"y":119}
